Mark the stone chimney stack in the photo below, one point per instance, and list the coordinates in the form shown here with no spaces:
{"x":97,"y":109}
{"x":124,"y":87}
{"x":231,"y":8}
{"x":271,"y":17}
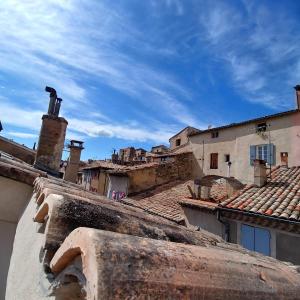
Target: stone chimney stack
{"x":52,"y":137}
{"x":260,"y":173}
{"x":74,"y":160}
{"x":297,"y":88}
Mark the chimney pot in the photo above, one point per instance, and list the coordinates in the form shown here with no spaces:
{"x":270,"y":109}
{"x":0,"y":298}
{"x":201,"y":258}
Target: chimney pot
{"x":74,"y":160}
{"x":260,"y":172}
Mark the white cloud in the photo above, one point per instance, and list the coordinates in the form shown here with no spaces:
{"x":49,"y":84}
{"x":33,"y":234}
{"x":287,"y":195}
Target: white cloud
{"x":260,"y":52}
{"x":24,"y":135}
{"x":79,"y":129}
{"x":61,"y":42}
{"x":20,"y":117}
{"x":121,"y":131}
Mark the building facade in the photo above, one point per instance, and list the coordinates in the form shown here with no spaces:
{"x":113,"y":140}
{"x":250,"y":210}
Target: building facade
{"x":230,"y":150}
{"x":182,"y":137}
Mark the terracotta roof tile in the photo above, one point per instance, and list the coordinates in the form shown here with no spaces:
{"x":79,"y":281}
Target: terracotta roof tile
{"x":163,"y":200}
{"x":280,"y":197}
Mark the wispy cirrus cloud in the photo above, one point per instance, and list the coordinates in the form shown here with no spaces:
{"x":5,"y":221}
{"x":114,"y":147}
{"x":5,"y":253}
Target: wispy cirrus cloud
{"x":80,"y":129}
{"x":55,"y":48}
{"x":259,"y":52}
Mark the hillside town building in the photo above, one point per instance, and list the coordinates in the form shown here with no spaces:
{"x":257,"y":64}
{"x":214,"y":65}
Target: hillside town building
{"x":182,"y":137}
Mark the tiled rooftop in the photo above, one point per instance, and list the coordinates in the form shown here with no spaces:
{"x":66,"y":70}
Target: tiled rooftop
{"x":163,"y":200}
{"x":280,"y":197}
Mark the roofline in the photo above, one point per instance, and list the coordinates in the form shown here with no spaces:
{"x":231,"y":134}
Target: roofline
{"x":289,"y":112}
{"x":182,"y":131}
{"x":249,"y":213}
{"x":17,"y":144}
{"x":179,"y":132}
{"x":160,"y":146}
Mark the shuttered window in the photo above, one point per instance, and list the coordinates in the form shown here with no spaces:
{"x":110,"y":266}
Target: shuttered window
{"x":256,"y":239}
{"x":214,"y":160}
{"x":265,"y":152}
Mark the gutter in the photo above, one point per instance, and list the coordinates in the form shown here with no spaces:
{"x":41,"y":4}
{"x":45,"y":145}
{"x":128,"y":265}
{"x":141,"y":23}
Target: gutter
{"x":259,"y":215}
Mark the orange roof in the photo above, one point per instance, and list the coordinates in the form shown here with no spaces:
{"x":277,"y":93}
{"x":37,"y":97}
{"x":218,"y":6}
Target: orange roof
{"x":280,"y":197}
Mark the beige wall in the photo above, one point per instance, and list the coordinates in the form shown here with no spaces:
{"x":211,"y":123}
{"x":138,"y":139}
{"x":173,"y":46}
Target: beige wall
{"x":236,"y":141}
{"x":14,"y":197}
{"x":183,"y":139}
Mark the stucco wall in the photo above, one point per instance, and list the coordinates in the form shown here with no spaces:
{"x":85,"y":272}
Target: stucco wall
{"x":26,"y":260}
{"x":17,"y":150}
{"x":14,"y":197}
{"x":236,"y":141}
{"x":288,"y":247}
{"x":7,"y":234}
{"x":204,"y":219}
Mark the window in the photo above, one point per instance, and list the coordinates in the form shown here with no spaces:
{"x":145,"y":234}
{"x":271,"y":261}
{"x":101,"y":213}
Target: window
{"x":256,"y":239}
{"x":178,"y":142}
{"x":264,"y":152}
{"x":227,"y":157}
{"x":215,"y":134}
{"x":214,"y":160}
{"x":261,"y":127}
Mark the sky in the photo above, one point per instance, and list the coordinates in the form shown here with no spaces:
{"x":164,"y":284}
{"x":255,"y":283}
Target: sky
{"x":133,"y":73}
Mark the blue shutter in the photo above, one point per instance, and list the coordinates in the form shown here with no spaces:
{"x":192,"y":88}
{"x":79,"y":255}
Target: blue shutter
{"x":271,"y":154}
{"x":262,"y":241}
{"x":247,"y":237}
{"x":252,"y":154}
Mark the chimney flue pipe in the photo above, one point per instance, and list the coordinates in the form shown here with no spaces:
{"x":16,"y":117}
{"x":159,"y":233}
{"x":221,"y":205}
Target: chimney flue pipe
{"x":57,"y":106}
{"x":52,"y":102}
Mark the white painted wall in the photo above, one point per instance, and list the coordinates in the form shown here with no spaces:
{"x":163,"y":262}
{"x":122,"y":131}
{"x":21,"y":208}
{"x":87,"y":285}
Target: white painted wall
{"x":14,"y":197}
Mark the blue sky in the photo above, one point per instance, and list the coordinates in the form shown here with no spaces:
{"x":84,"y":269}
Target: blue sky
{"x":135,"y":72}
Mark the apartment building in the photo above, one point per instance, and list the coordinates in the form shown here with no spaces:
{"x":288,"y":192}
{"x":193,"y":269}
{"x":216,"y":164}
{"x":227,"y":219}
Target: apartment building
{"x":231,"y":149}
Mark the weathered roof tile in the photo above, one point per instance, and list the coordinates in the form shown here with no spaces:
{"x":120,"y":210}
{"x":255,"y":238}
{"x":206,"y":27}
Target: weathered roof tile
{"x":280,"y":197}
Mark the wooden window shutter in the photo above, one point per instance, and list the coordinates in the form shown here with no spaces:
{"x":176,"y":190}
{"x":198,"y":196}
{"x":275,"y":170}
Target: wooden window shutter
{"x":214,"y":160}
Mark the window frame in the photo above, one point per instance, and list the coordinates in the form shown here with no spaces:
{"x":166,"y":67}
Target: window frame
{"x":214,"y":161}
{"x":178,"y":142}
{"x":215,"y":134}
{"x":227,"y":156}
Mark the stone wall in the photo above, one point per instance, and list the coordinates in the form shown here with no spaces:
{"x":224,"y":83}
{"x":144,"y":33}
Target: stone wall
{"x":148,"y":177}
{"x":17,"y":150}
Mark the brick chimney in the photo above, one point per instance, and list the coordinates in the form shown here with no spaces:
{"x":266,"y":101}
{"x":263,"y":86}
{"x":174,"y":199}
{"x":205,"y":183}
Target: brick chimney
{"x":297,"y":88}
{"x":74,"y":160}
{"x":52,"y":137}
{"x":260,"y":173}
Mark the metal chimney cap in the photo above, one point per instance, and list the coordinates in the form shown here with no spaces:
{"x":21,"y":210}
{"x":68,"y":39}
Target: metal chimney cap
{"x":297,"y":87}
{"x":50,"y":90}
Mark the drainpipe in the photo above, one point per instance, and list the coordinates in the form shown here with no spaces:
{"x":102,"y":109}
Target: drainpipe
{"x":226,"y":226}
